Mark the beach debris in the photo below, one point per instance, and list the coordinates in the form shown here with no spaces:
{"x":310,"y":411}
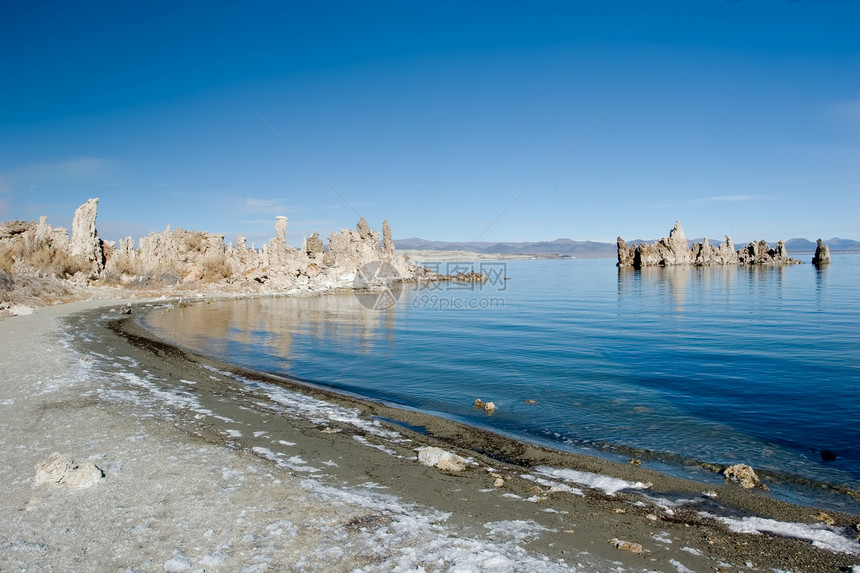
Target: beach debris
{"x":651,"y":517}
{"x":824,"y":518}
{"x":487,"y":407}
{"x":441,"y":459}
{"x":499,"y":482}
{"x":710,"y":493}
{"x":634,"y":462}
{"x":125,"y":309}
{"x":61,"y":470}
{"x":743,"y":474}
{"x":627,"y":546}
{"x":531,"y":402}
{"x":536,"y":490}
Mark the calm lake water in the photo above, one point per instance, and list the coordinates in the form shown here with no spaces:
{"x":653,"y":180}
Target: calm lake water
{"x":721,"y":365}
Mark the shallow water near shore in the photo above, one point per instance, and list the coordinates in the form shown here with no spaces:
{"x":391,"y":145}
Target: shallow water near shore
{"x":672,"y":366}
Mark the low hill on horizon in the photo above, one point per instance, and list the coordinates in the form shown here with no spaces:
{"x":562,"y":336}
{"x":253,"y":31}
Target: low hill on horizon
{"x":590,"y":249}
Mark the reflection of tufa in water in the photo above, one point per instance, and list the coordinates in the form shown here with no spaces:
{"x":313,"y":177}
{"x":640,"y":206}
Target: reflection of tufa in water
{"x":674,"y":250}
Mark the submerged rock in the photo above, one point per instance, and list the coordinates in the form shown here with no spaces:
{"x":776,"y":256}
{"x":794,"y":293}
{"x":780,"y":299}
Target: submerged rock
{"x":487,"y":407}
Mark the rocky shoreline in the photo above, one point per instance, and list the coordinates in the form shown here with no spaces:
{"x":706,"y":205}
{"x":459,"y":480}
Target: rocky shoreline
{"x":41,"y":264}
{"x":114,"y":396}
{"x":126,"y":453}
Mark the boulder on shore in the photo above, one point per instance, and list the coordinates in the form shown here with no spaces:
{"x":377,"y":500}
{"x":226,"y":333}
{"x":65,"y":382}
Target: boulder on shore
{"x":743,"y":474}
{"x":441,"y":459}
{"x":61,"y":470}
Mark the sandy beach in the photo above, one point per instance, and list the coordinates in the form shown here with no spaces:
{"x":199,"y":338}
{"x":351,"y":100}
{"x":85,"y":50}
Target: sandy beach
{"x":208,"y":467}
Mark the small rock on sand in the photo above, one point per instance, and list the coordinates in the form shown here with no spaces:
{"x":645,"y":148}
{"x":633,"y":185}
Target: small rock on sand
{"x":743,"y":474}
{"x":441,"y":459}
{"x":61,"y":470}
{"x":21,"y":310}
{"x":627,"y":546}
{"x":177,"y":564}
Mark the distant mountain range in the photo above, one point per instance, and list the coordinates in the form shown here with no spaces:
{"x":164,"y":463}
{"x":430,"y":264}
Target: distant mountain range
{"x":590,"y":249}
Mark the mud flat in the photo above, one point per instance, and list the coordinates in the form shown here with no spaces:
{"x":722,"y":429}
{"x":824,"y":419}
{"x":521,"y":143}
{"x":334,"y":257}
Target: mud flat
{"x":211,"y":467}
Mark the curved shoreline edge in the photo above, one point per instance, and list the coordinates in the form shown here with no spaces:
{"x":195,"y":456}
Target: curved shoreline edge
{"x":496,"y":445}
{"x":509,"y":455}
{"x":177,"y":413}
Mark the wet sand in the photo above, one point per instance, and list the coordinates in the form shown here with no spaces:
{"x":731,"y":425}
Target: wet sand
{"x":221,"y":468}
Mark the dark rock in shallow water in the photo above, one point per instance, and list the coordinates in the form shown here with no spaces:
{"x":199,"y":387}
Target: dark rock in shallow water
{"x":828,"y":455}
{"x":822,"y":254}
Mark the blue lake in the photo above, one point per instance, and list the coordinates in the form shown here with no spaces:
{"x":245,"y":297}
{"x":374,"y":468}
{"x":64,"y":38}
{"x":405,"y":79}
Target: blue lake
{"x":717,"y":365}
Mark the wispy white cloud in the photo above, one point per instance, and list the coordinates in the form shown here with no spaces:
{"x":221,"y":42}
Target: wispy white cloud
{"x":318,"y":223}
{"x":268,"y":206}
{"x":733,"y":198}
{"x":72,"y":170}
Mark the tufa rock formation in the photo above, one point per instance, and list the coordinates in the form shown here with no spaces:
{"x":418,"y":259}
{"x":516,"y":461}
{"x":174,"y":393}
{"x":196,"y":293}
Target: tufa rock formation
{"x":314,"y":246}
{"x":674,"y":250}
{"x":85,"y":239}
{"x":822,"y":254}
{"x":179,"y":257}
{"x":387,"y":241}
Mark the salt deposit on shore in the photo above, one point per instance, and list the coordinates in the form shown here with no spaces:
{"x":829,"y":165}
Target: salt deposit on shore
{"x":209,"y":468}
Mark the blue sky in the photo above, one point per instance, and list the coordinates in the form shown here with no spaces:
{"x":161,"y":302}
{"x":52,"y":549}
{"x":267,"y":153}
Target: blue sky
{"x":734,"y":117}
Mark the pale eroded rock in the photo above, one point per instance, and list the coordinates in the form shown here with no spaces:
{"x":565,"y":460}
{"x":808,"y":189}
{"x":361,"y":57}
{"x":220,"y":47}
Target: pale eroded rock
{"x":822,"y":254}
{"x":441,"y":459}
{"x":674,"y":251}
{"x":743,"y":474}
{"x":61,"y":470}
{"x":627,"y":546}
{"x":85,"y":240}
